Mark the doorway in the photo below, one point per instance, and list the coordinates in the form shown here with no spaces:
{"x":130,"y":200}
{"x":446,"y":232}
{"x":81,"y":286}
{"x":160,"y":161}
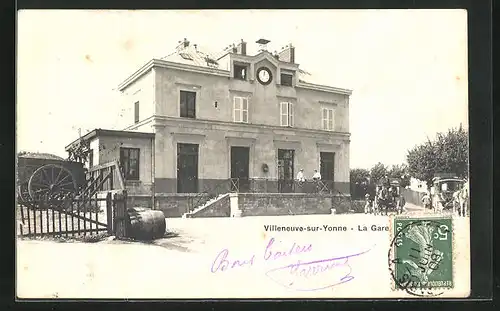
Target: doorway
{"x":327,"y":168}
{"x":187,"y":168}
{"x":240,"y":163}
{"x":285,"y":170}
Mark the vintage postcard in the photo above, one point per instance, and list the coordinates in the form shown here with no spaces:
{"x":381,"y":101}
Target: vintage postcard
{"x":242,"y":154}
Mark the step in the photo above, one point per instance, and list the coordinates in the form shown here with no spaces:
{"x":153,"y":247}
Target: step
{"x":207,"y":204}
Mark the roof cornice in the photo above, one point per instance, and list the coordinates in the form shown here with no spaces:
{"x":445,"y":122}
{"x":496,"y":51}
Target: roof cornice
{"x":323,"y":88}
{"x":170,"y":65}
{"x":136,"y":75}
{"x":103,"y":132}
{"x":266,"y":55}
{"x":193,"y":68}
{"x":225,"y":73}
{"x":160,"y":120}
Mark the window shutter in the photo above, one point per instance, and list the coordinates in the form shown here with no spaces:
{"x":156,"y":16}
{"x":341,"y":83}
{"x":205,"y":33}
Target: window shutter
{"x":290,"y":114}
{"x":325,"y":118}
{"x":237,"y":109}
{"x":330,"y":119}
{"x":284,"y":114}
{"x":244,"y":110}
{"x":136,"y":112}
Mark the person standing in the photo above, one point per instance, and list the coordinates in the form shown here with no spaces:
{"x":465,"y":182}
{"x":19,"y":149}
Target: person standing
{"x":426,"y":200}
{"x":368,"y":203}
{"x":300,"y":176}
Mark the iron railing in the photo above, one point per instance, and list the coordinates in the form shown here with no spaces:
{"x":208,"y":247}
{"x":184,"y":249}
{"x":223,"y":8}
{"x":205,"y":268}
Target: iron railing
{"x":207,"y":194}
{"x":264,"y":185}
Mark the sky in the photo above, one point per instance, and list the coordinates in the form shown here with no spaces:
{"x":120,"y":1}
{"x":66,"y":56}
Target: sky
{"x":407,"y":68}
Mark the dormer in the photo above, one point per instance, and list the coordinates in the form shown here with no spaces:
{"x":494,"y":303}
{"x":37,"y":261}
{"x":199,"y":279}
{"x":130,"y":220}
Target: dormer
{"x":288,"y":72}
{"x":287,"y":78}
{"x":243,"y":67}
{"x":240,"y":70}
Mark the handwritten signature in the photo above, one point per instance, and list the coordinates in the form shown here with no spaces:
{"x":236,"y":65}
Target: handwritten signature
{"x":274,"y":250}
{"x":300,"y":276}
{"x":314,"y":275}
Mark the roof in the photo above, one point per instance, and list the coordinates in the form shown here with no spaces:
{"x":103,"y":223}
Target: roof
{"x":441,"y":180}
{"x":391,"y":181}
{"x":445,"y":175}
{"x":39,"y":155}
{"x":194,"y":55}
{"x":115,"y":133}
{"x":199,"y":56}
{"x":204,"y":58}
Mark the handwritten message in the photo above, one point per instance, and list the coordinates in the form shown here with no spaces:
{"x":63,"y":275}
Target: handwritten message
{"x":299,"y":275}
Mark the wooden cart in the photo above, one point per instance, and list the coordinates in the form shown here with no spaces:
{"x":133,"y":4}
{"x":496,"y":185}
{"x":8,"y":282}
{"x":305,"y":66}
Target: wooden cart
{"x":47,"y":179}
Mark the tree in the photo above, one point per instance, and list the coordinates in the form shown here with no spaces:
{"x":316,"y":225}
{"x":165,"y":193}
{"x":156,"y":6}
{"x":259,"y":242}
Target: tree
{"x":378,"y":171}
{"x":400,"y":172}
{"x":359,"y":175}
{"x":448,"y":153}
{"x":359,"y":179}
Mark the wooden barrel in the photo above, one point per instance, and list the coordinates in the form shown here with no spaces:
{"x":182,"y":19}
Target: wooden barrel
{"x":145,"y":224}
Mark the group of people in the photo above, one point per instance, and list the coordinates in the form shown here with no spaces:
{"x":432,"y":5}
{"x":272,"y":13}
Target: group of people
{"x":459,"y":201}
{"x":301,"y":177}
{"x":385,"y":195}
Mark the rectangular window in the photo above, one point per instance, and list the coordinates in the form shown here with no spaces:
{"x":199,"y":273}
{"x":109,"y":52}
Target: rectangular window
{"x":241,"y":109}
{"x":286,"y":79}
{"x":328,"y":119}
{"x":129,"y":162}
{"x":188,"y":104}
{"x":136,"y":112}
{"x":91,"y":158}
{"x":240,"y":72}
{"x":286,"y":114}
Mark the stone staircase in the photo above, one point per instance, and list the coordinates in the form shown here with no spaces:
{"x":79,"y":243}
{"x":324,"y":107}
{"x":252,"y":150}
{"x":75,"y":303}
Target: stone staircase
{"x":207,"y":204}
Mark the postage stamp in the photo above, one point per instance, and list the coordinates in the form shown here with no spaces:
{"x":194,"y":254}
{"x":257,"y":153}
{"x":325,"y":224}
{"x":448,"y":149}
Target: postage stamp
{"x":421,"y":255}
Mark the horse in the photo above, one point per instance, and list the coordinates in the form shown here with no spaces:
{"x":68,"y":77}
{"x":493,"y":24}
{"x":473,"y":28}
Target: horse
{"x":461,"y":199}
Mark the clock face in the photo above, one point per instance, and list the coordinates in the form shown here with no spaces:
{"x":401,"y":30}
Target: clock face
{"x":264,"y":75}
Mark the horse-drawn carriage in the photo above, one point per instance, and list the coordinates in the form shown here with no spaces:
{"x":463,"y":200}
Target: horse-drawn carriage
{"x":387,"y":197}
{"x":48,"y":179}
{"x":444,"y":192}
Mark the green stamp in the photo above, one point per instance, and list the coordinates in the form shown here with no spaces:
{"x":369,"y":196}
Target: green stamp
{"x":421,"y":255}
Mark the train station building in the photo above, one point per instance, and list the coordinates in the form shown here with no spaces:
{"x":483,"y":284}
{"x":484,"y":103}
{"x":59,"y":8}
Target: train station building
{"x":199,"y":120}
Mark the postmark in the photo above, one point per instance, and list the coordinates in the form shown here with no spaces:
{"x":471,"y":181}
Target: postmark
{"x":421,"y":255}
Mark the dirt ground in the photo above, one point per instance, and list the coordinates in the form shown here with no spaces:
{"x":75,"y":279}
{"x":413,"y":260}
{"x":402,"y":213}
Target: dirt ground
{"x":182,"y":264}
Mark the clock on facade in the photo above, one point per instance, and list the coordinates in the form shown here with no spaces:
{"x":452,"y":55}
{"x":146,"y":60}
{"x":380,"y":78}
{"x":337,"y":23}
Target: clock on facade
{"x":264,"y":75}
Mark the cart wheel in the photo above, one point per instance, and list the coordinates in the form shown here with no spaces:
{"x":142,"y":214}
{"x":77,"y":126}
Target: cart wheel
{"x":23,"y":196}
{"x":52,"y":183}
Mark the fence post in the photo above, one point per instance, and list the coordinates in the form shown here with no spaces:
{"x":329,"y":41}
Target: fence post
{"x":120,"y":211}
{"x":109,"y":211}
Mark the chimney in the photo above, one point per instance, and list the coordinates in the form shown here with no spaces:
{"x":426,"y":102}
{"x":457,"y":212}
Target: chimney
{"x":235,"y":49}
{"x":288,"y":54}
{"x":262,"y":44}
{"x":243,"y":46}
{"x":292,"y":54}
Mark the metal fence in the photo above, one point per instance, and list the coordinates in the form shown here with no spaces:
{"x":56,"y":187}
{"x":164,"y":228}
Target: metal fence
{"x":74,"y":217}
{"x":264,"y":185}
